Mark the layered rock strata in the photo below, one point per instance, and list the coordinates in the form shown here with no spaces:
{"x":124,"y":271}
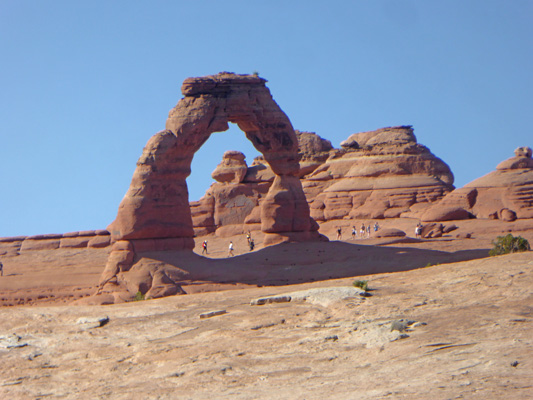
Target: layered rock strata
{"x":506,"y":193}
{"x":377,"y":174}
{"x":13,"y":246}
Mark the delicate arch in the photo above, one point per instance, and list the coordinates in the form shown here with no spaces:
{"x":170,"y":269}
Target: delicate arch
{"x":156,"y":205}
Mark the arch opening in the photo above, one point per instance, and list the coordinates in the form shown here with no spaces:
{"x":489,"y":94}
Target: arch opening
{"x":209,"y":156}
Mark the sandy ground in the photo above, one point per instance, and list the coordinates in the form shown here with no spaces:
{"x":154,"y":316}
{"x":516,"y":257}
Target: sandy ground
{"x":461,"y":328}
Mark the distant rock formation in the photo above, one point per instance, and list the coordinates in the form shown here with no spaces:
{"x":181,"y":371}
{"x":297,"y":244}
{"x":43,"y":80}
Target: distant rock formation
{"x":232,"y":169}
{"x":13,"y":246}
{"x":377,"y":174}
{"x":230,"y":207}
{"x":506,"y":193}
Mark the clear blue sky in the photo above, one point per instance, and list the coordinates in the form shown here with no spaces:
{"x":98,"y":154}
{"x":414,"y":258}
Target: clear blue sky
{"x":84,"y":85}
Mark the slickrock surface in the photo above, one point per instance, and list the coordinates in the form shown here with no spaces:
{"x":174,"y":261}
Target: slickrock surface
{"x":459,"y":330}
{"x":56,"y":276}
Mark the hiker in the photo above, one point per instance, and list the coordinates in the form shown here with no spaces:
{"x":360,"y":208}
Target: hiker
{"x":1,"y":269}
{"x":354,"y":232}
{"x":339,"y":233}
{"x":230,"y":250}
{"x":368,"y":230}
{"x":376,"y":227}
{"x":251,"y":244}
{"x":418,"y":230}
{"x":362,"y":230}
{"x":248,"y":237}
{"x":204,"y":247}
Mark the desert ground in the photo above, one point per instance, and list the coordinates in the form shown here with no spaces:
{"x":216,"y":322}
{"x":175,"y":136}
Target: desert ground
{"x":441,"y":320}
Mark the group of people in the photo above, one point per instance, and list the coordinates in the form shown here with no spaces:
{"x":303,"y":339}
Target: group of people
{"x":249,"y":239}
{"x":364,"y":231}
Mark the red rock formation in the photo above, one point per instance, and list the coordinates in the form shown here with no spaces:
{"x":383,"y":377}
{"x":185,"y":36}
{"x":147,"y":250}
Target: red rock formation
{"x":156,"y":205}
{"x":155,"y":212}
{"x":232,"y":169}
{"x":13,"y":246}
{"x":506,"y":193}
{"x":377,"y":174}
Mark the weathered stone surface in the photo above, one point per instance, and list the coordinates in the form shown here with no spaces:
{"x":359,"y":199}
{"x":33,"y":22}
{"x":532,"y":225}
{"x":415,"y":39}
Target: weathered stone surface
{"x":509,"y":187}
{"x":76,"y":242}
{"x":387,"y":136}
{"x":84,"y":233}
{"x":270,"y":299}
{"x":432,"y":230}
{"x":99,"y":241}
{"x":40,"y":244}
{"x":45,"y":236}
{"x":386,"y":174}
{"x":210,"y":314}
{"x":390,"y":232}
{"x":450,"y":228}
{"x":327,"y":296}
{"x":445,"y":213}
{"x":232,"y":169}
{"x":11,"y":247}
{"x":523,"y":152}
{"x":12,"y":239}
{"x":474,"y":333}
{"x":313,"y":151}
{"x":377,"y":174}
{"x":507,"y":215}
{"x":156,"y":205}
{"x":156,"y":209}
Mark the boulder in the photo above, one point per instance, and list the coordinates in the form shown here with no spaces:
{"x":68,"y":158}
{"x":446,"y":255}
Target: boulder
{"x":507,"y":215}
{"x":432,"y":230}
{"x":523,"y":152}
{"x":444,"y":213}
{"x":76,"y":242}
{"x":389,"y":232}
{"x":450,"y":228}
{"x":99,"y":241}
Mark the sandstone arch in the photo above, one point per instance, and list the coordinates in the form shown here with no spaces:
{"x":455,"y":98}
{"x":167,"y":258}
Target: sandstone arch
{"x":156,"y":206}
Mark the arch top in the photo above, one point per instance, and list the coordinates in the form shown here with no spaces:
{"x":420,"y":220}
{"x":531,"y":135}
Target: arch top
{"x":219,"y":84}
{"x":211,"y":102}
